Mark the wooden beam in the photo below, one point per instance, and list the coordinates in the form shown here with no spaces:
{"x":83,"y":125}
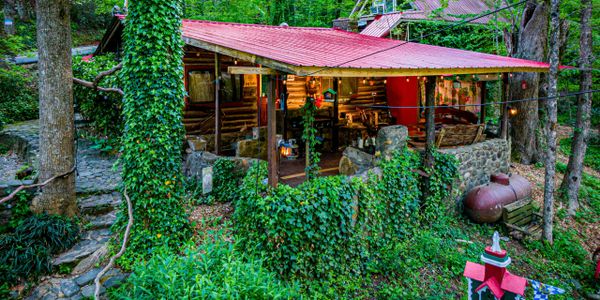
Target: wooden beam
{"x":217,"y":105}
{"x":336,"y":134}
{"x":251,"y":70}
{"x":366,"y":72}
{"x":430,"y":86}
{"x":271,"y":133}
{"x":504,"y":113}
{"x":482,"y":108}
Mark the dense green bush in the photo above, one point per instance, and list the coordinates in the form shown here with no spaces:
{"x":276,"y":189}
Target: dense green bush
{"x":102,"y":109}
{"x":331,"y":227}
{"x":214,"y":270}
{"x":26,"y":253}
{"x":18,"y":97}
{"x":227,"y":177}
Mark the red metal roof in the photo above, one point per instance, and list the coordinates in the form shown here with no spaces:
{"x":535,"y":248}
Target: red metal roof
{"x":457,"y":10}
{"x":325,"y":47}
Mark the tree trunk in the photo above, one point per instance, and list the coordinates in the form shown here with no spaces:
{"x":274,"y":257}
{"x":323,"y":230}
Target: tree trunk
{"x":57,"y":134}
{"x":550,"y":122}
{"x":530,"y":43}
{"x":9,"y":17}
{"x":429,"y":162}
{"x":572,"y":178}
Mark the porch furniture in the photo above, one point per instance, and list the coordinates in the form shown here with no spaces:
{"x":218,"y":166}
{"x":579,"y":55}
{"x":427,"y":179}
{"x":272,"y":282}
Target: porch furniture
{"x":457,"y":135}
{"x":520,"y":217}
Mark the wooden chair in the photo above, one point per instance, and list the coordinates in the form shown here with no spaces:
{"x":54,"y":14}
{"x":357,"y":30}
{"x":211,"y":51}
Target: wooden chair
{"x":457,"y":135}
{"x":520,"y":217}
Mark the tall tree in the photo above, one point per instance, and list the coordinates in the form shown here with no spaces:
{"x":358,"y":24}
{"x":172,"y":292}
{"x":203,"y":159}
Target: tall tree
{"x":57,"y":129}
{"x":551,"y":122}
{"x":530,"y":42}
{"x":572,"y":179}
{"x":152,"y":77}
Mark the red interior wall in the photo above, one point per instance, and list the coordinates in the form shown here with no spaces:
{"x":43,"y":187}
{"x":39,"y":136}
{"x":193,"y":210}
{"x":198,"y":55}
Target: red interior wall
{"x":401,"y":92}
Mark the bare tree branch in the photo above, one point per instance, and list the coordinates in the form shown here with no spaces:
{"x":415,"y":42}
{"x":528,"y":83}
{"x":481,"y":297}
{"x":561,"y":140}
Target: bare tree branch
{"x":23,"y":187}
{"x":94,"y":84}
{"x":111,"y":263}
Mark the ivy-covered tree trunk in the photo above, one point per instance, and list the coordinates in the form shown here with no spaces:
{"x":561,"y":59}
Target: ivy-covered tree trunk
{"x":153,"y":134}
{"x":57,"y":128}
{"x":572,"y":179}
{"x":550,"y":123}
{"x":530,"y":43}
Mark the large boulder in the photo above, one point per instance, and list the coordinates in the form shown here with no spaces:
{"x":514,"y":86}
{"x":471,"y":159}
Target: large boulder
{"x":391,"y":138}
{"x":251,"y":148}
{"x":355,"y":161}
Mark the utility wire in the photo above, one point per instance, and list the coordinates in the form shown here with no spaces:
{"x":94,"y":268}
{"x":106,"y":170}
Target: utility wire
{"x":422,"y":37}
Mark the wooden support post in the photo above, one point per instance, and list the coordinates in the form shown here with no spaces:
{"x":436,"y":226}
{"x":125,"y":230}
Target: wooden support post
{"x":217,"y":105}
{"x":430,"y":86}
{"x":335,"y":133}
{"x":482,"y":108}
{"x":504,"y":113}
{"x":271,"y":133}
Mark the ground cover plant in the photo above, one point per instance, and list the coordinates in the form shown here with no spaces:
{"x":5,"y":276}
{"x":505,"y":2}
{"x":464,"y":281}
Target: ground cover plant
{"x":215,"y":269}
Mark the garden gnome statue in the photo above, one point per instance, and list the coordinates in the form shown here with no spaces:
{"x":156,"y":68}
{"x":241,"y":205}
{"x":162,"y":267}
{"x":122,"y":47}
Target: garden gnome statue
{"x":492,"y":280}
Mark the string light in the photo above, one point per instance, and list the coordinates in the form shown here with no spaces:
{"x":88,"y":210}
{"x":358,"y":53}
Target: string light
{"x":407,"y":79}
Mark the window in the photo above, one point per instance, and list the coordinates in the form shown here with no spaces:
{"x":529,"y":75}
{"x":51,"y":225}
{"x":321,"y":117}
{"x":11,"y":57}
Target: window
{"x":201,"y":87}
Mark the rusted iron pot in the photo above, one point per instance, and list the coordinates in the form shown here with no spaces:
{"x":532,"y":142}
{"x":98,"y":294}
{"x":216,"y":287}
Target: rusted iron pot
{"x":484,"y":203}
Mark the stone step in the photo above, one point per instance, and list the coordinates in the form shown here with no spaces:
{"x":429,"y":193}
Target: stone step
{"x":99,"y":204}
{"x":78,"y":286}
{"x":90,"y":243}
{"x":102,"y":221}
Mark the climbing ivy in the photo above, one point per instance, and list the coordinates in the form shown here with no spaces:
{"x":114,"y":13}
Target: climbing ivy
{"x":153,"y":132}
{"x":336,"y":226}
{"x":309,"y":135}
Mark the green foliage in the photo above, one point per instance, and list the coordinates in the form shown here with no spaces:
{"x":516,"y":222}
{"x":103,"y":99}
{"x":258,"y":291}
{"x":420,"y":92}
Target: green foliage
{"x":317,"y":13}
{"x":592,"y":154}
{"x":331,"y":228}
{"x":18,"y":100}
{"x":226,"y":180}
{"x":102,"y":109}
{"x":473,"y":37}
{"x":26,"y":253}
{"x":153,"y":131}
{"x":214,"y":270}
{"x":309,"y":135}
{"x":566,"y":258}
{"x":19,"y":211}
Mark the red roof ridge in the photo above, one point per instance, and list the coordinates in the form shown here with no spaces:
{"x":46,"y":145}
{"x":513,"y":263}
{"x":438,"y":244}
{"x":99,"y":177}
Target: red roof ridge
{"x":257,"y":25}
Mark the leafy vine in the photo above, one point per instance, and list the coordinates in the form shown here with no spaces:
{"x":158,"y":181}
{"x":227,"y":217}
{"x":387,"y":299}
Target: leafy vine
{"x":309,"y":135}
{"x":153,"y":132}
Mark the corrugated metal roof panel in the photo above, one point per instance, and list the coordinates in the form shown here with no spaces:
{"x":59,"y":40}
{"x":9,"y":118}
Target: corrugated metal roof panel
{"x":324,"y":47}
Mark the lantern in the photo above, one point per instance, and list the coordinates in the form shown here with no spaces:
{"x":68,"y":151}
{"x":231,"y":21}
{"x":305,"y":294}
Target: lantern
{"x":512,"y":111}
{"x":289,"y":150}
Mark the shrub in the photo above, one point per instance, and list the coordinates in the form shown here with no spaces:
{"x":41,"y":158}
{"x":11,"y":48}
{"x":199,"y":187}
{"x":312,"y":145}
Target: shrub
{"x":26,"y":253}
{"x":102,"y":109}
{"x":210,"y":271}
{"x":227,"y":177}
{"x":18,"y":99}
{"x":331,"y":227}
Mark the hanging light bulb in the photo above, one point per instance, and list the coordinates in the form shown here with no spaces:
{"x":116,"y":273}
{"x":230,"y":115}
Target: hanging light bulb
{"x":442,"y":77}
{"x":365,"y":80}
{"x":339,"y":81}
{"x":512,"y":111}
{"x":235,"y":61}
{"x":510,"y":75}
{"x":284,"y":82}
{"x":385,"y":81}
{"x":457,"y":77}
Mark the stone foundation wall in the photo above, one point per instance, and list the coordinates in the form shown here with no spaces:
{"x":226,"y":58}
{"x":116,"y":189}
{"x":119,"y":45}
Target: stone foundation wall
{"x":478,"y":161}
